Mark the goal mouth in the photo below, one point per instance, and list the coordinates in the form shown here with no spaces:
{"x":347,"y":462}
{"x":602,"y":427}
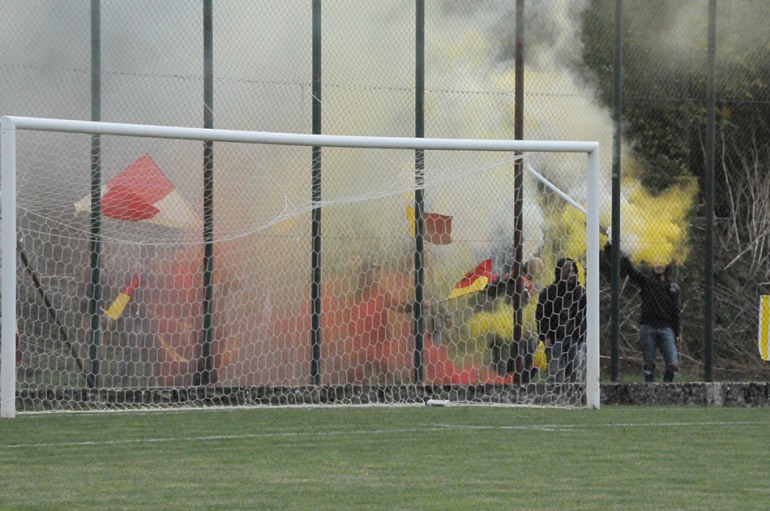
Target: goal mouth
{"x":275,"y":268}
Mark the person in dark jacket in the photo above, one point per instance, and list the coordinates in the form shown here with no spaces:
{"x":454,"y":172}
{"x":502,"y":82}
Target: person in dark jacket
{"x":659,"y":320}
{"x":561,"y":322}
{"x":505,"y":286}
{"x":508,"y":356}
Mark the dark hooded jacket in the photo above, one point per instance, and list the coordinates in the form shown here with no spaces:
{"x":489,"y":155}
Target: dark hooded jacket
{"x":561,"y":308}
{"x":660,"y":297}
{"x":661,"y":306}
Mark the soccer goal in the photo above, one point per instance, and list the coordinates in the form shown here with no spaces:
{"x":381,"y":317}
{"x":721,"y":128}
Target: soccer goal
{"x":160,"y":267}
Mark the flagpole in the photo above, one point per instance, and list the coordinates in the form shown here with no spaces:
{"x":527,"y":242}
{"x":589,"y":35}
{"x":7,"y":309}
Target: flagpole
{"x":48,"y":304}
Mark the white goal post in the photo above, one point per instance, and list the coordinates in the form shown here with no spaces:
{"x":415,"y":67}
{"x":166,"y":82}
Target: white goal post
{"x":11,"y":125}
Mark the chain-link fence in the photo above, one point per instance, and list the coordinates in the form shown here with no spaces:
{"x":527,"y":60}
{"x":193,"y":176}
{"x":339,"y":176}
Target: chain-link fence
{"x":150,"y":62}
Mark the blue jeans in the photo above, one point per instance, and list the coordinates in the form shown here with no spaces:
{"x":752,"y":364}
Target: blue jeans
{"x":657,"y":338}
{"x":565,"y":360}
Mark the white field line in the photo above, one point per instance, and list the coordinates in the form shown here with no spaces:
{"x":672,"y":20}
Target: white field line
{"x":204,"y":438}
{"x":321,"y":434}
{"x":581,"y":427}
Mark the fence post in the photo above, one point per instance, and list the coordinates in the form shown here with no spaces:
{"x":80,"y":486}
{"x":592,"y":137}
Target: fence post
{"x":315,"y":257}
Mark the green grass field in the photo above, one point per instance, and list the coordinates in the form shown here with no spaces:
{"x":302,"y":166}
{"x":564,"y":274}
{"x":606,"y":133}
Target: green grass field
{"x":410,"y":458}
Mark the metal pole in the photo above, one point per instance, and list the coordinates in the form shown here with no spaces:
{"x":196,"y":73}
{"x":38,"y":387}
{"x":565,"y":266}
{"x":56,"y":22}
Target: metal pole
{"x":518,"y":184}
{"x":8,"y":271}
{"x":593,"y":389}
{"x":419,"y":195}
{"x":315,"y":258}
{"x":206,"y":361}
{"x":95,"y":241}
{"x":617,"y":109}
{"x":302,"y":139}
{"x":709,"y":189}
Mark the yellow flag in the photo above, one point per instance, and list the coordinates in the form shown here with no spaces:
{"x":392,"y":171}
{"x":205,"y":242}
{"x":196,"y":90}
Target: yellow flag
{"x":473,"y":281}
{"x":117,"y":307}
{"x":764,"y":326}
{"x":119,"y":304}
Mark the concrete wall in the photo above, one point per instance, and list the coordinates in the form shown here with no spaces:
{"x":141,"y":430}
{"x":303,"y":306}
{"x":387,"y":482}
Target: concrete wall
{"x":752,"y":394}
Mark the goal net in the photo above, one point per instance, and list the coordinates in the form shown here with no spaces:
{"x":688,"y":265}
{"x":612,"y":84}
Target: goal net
{"x":150,"y":267}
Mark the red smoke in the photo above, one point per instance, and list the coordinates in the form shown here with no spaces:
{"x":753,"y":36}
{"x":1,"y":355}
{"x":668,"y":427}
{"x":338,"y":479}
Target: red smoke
{"x":364,"y":339}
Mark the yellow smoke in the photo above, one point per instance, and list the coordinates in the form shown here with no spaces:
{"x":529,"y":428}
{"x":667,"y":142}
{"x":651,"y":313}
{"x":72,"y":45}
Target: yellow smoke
{"x":573,"y":226}
{"x":654,"y":228}
{"x":566,"y":237}
{"x":500,"y":321}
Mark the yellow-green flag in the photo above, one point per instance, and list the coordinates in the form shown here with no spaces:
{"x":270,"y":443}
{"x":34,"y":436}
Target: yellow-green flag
{"x":764,"y":326}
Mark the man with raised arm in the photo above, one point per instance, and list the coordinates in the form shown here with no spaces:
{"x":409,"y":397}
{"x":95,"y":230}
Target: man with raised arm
{"x":659,"y":320}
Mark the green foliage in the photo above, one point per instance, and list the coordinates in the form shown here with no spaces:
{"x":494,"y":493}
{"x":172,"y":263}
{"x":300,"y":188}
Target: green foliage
{"x":664,"y":119}
{"x":665,"y":80}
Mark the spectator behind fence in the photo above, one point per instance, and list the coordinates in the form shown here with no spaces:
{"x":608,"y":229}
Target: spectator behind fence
{"x":561,"y":322}
{"x":659,"y":320}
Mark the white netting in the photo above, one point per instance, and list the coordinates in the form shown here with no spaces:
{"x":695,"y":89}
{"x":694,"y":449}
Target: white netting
{"x":155,"y":343}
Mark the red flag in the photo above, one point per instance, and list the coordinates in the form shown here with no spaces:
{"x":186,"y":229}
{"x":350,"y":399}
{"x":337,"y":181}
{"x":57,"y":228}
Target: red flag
{"x":141,"y":192}
{"x":474,"y":281}
{"x":438,"y":228}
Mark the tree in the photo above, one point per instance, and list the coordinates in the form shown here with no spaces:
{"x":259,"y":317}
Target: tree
{"x":664,"y":118}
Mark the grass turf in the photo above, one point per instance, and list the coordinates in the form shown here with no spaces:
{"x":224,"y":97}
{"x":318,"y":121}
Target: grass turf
{"x":462,"y":458}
